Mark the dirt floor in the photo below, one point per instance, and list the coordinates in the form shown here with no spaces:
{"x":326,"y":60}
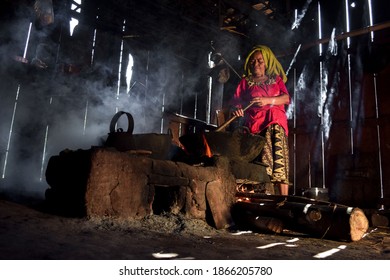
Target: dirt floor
{"x":29,"y":232}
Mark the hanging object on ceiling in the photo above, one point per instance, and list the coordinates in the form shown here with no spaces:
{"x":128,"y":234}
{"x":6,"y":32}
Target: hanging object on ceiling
{"x":44,"y":12}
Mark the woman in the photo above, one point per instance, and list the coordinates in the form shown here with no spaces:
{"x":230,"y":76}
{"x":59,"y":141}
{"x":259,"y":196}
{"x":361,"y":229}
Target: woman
{"x":264,"y":85}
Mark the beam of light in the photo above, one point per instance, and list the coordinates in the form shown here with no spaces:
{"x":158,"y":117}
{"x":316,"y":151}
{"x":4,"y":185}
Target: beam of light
{"x":27,"y":40}
{"x":10,"y":132}
{"x":288,"y":243}
{"x":379,"y":140}
{"x":371,"y":18}
{"x":347,"y":22}
{"x":129,"y":72}
{"x":323,"y":157}
{"x":299,"y":18}
{"x":294,"y":59}
{"x":15,"y":106}
{"x":164,"y":255}
{"x":293,"y":240}
{"x":119,"y":71}
{"x":72,"y":24}
{"x":324,"y":124}
{"x":45,"y":147}
{"x":162,"y":113}
{"x":368,"y":233}
{"x":76,"y":6}
{"x":295,"y":17}
{"x":196,"y":106}
{"x":350,"y":104}
{"x":319,"y":28}
{"x":270,"y":245}
{"x":44,"y":154}
{"x":381,"y":207}
{"x":93,"y":46}
{"x":241,"y":232}
{"x":85,"y":118}
{"x":329,"y":252}
{"x":120,"y":63}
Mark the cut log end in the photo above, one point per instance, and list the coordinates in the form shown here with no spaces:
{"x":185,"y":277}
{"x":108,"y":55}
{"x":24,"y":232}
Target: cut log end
{"x":358,"y":223}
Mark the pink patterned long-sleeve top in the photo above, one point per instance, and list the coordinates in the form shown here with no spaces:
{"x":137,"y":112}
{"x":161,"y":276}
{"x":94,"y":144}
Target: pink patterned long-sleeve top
{"x":258,"y":118}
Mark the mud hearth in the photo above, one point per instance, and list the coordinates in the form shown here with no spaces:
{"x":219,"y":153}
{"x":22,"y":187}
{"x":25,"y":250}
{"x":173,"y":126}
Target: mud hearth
{"x":105,"y":182}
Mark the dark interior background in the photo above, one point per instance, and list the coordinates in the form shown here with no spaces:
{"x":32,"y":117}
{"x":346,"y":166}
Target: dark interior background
{"x":59,"y":90}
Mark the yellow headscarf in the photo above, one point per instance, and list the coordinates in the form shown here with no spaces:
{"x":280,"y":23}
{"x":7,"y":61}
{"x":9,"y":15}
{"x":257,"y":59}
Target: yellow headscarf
{"x":272,"y":65}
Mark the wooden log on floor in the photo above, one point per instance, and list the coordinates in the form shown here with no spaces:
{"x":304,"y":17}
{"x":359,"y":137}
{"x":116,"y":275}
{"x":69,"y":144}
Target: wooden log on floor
{"x":261,"y":197}
{"x":330,"y":220}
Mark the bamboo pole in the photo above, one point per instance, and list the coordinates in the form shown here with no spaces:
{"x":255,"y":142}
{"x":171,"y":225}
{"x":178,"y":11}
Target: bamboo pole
{"x":229,"y":121}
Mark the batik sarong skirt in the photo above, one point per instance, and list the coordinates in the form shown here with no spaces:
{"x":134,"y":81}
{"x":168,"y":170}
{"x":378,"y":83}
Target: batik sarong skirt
{"x":276,"y":154}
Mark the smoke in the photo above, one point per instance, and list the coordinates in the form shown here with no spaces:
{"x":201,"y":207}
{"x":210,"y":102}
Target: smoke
{"x":332,"y":47}
{"x":56,"y":109}
{"x":305,"y":92}
{"x":300,"y":16}
{"x":324,"y":102}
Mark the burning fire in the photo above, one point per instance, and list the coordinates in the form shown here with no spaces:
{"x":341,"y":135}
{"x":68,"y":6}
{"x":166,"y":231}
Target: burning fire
{"x":207,"y":150}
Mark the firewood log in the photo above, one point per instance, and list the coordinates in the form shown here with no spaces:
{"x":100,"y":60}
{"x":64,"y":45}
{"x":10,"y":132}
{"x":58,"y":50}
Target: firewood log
{"x":322,"y":219}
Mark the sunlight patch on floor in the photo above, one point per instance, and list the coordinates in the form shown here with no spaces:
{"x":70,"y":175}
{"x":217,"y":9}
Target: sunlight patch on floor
{"x":330,"y":252}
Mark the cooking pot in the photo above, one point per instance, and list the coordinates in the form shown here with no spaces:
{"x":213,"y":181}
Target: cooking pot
{"x":239,"y":145}
{"x":158,"y":144}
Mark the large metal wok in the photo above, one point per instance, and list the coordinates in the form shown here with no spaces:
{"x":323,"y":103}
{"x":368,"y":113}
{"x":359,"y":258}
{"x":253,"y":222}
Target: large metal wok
{"x":239,"y":145}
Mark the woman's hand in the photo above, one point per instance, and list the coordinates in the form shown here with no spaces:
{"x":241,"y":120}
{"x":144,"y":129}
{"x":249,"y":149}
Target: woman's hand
{"x":262,"y":101}
{"x":274,"y":100}
{"x":259,"y":101}
{"x":238,"y":112}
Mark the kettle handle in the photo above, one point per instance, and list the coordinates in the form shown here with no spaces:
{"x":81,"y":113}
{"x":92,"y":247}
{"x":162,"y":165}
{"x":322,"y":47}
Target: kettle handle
{"x":116,"y":117}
